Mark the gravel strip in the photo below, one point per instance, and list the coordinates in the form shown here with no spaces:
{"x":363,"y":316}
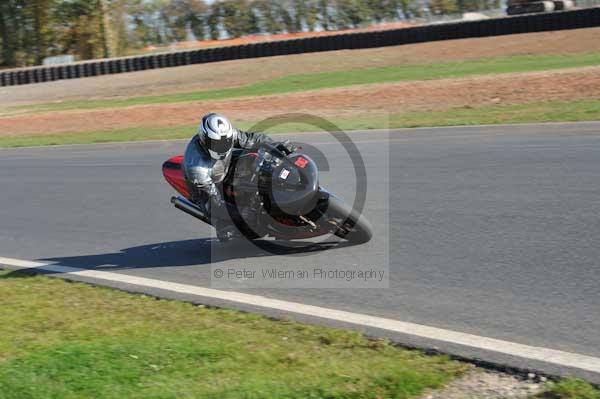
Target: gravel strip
{"x":482,"y":384}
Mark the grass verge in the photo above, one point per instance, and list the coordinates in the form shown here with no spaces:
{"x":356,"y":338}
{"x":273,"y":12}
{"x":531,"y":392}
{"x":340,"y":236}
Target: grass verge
{"x":570,"y":389}
{"x":69,"y":340}
{"x":554,"y":111}
{"x":573,"y":111}
{"x":296,"y":83}
{"x":94,"y":137}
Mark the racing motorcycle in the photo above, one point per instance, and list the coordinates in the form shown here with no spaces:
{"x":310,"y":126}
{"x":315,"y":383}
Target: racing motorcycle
{"x":282,"y":189}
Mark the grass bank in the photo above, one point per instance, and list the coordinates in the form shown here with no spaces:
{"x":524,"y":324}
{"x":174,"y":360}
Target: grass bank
{"x":570,"y":389}
{"x":573,"y":111}
{"x":69,"y":340}
{"x":315,"y":81}
{"x":63,"y":340}
{"x":100,"y":136}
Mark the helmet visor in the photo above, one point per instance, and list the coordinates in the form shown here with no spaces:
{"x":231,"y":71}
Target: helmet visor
{"x":221,"y":146}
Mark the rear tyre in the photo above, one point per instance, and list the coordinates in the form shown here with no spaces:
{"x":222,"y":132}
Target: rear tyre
{"x":350,"y":225}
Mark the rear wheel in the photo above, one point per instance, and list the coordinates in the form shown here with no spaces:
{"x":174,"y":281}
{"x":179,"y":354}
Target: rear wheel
{"x":347,"y":223}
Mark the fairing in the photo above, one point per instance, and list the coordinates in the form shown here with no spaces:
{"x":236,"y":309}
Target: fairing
{"x":173,"y":173}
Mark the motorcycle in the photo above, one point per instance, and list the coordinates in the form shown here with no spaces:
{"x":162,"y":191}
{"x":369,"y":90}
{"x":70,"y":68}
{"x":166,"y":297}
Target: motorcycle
{"x":282,"y":189}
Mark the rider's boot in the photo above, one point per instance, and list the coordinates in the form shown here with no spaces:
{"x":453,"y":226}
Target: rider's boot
{"x":226,"y":232}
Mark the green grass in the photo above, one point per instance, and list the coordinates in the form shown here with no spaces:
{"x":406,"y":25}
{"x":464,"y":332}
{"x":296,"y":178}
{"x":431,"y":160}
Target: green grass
{"x":559,"y":111}
{"x":574,"y":111}
{"x":104,"y":136}
{"x":570,"y":389}
{"x":69,"y":340}
{"x":315,"y":81}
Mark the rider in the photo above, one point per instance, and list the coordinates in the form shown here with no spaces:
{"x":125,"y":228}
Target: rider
{"x":206,"y":163}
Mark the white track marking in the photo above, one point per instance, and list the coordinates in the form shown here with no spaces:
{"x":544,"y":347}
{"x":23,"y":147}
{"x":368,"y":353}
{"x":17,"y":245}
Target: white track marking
{"x":566,"y":359}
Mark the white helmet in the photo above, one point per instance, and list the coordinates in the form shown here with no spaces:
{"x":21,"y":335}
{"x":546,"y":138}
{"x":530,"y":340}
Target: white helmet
{"x":216,"y":135}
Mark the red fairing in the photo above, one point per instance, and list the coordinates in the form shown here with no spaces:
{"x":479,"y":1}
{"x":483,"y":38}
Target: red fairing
{"x":173,"y":173}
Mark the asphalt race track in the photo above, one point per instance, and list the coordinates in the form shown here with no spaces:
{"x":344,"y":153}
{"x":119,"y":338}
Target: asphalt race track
{"x":491,"y":231}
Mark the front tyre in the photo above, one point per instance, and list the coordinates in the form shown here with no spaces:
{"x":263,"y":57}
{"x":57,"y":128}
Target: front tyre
{"x":347,"y":223}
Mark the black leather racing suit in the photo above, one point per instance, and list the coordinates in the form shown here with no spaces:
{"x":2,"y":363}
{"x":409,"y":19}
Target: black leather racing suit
{"x":204,"y":174}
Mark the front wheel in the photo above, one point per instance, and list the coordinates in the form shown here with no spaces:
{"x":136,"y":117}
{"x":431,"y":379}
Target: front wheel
{"x":347,"y":223}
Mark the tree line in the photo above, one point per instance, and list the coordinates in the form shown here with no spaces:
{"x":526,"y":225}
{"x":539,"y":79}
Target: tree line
{"x":31,"y":30}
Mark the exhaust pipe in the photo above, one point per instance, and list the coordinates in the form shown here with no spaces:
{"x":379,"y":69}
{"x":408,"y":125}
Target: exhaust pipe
{"x":190,"y":208}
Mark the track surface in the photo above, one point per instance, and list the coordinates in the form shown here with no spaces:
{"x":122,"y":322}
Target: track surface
{"x":493,"y":231}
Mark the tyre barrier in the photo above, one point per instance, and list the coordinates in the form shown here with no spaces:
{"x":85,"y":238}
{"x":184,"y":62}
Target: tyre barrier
{"x":572,"y":19}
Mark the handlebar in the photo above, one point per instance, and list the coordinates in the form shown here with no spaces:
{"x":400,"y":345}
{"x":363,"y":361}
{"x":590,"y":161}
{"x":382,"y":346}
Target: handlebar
{"x":266,"y":152}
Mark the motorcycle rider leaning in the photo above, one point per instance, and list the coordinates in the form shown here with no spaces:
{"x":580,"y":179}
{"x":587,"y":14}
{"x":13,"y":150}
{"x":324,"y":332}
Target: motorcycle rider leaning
{"x":207,"y":161}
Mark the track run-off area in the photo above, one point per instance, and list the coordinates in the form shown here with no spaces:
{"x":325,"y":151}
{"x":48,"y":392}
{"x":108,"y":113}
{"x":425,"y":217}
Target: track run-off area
{"x":491,"y":234}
